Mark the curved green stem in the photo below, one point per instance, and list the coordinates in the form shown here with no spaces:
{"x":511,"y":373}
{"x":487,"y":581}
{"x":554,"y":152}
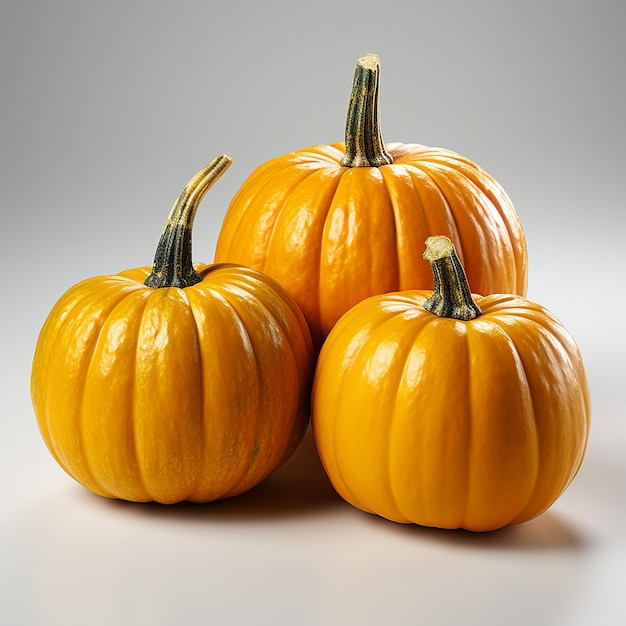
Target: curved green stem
{"x":173,"y":266}
{"x":452,"y":296}
{"x":364,"y":141}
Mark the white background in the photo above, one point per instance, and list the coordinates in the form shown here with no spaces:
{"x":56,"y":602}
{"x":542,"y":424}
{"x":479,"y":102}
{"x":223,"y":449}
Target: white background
{"x":108,"y":108}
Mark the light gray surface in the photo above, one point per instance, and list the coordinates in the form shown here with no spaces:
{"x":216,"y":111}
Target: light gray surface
{"x":107,"y":111}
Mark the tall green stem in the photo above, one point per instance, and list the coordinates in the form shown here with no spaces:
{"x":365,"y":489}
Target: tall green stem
{"x":452,"y":296}
{"x":364,"y":141}
{"x":173,"y":266}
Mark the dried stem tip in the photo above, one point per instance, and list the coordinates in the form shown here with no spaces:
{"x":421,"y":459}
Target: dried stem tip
{"x":452,"y":297}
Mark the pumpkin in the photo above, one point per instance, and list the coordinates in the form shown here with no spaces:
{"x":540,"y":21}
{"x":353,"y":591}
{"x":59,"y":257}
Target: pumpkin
{"x":447,"y":409}
{"x":337,"y":223}
{"x":180,"y":382}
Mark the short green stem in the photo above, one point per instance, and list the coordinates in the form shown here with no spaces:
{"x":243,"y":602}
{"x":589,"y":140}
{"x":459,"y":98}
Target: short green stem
{"x":452,"y":296}
{"x":364,"y":141}
{"x":173,"y":266}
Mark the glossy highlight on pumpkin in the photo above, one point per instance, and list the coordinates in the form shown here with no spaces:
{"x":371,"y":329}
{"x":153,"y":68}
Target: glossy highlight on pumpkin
{"x":173,"y":393}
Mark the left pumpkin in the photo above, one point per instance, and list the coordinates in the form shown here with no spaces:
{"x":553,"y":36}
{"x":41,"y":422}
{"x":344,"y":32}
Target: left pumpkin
{"x":181,"y":383}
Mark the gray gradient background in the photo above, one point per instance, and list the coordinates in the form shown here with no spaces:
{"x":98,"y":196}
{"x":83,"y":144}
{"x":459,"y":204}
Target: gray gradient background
{"x":108,"y":109}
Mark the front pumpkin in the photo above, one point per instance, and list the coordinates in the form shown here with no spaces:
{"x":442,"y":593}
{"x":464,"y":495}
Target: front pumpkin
{"x":447,"y":411}
{"x":335,"y":224}
{"x":180,"y":383}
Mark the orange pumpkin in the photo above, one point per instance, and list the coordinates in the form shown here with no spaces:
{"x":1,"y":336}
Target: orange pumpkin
{"x":442,"y":409}
{"x":337,"y":223}
{"x":181,"y":383}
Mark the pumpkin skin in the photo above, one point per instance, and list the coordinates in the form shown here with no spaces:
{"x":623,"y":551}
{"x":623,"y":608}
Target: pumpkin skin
{"x":173,"y":393}
{"x":450,"y":423}
{"x":334,"y":234}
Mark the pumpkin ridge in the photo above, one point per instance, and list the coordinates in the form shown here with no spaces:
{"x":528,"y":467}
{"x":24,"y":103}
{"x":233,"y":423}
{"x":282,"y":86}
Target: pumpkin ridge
{"x":134,"y":428}
{"x":201,"y":290}
{"x":259,"y":178}
{"x":64,"y":317}
{"x":494,"y":320}
{"x":464,"y":509}
{"x":201,"y":370}
{"x":448,"y":174}
{"x":235,"y":487}
{"x":206,"y":292}
{"x":364,"y":503}
{"x":318,"y":264}
{"x":168,"y":395}
{"x":450,"y":219}
{"x":236,"y":209}
{"x":258,"y":196}
{"x":497,"y":197}
{"x":287,"y":448}
{"x":562,"y":345}
{"x":266,"y":174}
{"x":424,"y":214}
{"x":531,"y":442}
{"x":534,"y":315}
{"x":325,"y":228}
{"x":421,"y":322}
{"x":76,"y":297}
{"x":385,"y":171}
{"x":286,"y":452}
{"x":345,"y":490}
{"x":406,"y":283}
{"x":268,"y":315}
{"x":501,"y":202}
{"x":80,"y":423}
{"x":272,"y":233}
{"x":330,"y":153}
{"x":131,"y":404}
{"x":450,"y":513}
{"x":216,"y":292}
{"x":142,"y":295}
{"x":448,"y":159}
{"x":387,"y":476}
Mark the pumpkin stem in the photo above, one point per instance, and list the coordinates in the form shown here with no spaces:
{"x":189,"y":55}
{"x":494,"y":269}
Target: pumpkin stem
{"x":452,"y":297}
{"x":364,"y":141}
{"x":173,"y":265}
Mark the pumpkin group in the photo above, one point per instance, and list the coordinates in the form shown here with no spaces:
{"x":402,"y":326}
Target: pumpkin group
{"x":430,"y":405}
{"x":447,"y":410}
{"x":337,"y":223}
{"x":176,"y":382}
